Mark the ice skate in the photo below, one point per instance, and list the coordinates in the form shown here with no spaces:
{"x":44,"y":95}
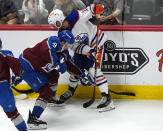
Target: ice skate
{"x":67,"y":95}
{"x":106,"y":104}
{"x":34,"y":123}
{"x":54,"y":102}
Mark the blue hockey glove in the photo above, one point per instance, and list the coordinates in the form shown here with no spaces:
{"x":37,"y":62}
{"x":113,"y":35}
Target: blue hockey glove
{"x":62,"y":65}
{"x":86,"y":79}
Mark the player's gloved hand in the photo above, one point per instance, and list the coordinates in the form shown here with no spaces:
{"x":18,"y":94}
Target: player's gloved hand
{"x":92,"y":54}
{"x":97,"y":9}
{"x":61,"y":65}
{"x":86,"y":79}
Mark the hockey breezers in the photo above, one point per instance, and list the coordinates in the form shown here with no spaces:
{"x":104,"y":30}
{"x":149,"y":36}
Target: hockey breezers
{"x":22,"y":91}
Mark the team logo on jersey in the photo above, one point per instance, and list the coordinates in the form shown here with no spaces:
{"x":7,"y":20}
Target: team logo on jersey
{"x":48,"y":67}
{"x":82,"y":38}
{"x":124,"y":60}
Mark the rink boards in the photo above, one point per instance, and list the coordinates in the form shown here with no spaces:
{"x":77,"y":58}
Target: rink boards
{"x":132,"y":61}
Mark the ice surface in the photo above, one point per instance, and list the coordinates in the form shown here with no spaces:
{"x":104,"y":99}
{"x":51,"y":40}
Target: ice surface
{"x":129,"y":115}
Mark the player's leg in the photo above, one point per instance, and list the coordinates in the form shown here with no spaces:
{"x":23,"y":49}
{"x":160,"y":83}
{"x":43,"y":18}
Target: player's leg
{"x":54,"y":101}
{"x":73,"y":82}
{"x":76,"y":70}
{"x":75,"y":73}
{"x":53,"y":81}
{"x":39,"y":107}
{"x":38,"y":82}
{"x":7,"y":102}
{"x":101,"y":81}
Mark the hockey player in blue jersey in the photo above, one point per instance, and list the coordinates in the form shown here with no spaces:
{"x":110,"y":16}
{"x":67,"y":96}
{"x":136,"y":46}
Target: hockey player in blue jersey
{"x":41,"y":66}
{"x":78,"y":23}
{"x":7,"y":100}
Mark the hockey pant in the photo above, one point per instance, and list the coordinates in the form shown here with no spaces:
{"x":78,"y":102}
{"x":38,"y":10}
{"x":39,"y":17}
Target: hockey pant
{"x":7,"y":101}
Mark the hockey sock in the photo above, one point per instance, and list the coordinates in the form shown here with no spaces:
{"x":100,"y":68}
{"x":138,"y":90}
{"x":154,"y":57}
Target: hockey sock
{"x":17,"y":119}
{"x":41,"y":103}
{"x":39,"y":107}
{"x":22,"y":126}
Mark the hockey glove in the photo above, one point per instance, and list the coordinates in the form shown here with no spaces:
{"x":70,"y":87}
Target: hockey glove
{"x":62,"y":65}
{"x":97,"y":8}
{"x":86,"y":79}
{"x":91,"y":55}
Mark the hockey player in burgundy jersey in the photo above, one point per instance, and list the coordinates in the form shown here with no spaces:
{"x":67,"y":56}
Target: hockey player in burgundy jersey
{"x":78,"y":23}
{"x":41,"y":67}
{"x":7,"y":100}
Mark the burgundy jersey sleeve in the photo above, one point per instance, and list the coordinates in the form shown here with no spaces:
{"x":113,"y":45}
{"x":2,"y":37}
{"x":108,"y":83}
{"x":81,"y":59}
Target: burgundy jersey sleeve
{"x":7,"y":62}
{"x":14,"y":64}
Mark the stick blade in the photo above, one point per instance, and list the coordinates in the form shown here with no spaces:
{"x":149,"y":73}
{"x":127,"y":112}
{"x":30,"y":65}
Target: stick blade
{"x":88,"y":103}
{"x":130,"y":94}
{"x":123,"y":93}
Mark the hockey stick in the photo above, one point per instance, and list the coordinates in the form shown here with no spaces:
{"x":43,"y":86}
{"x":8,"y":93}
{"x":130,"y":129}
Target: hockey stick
{"x":123,"y":93}
{"x":90,"y":102}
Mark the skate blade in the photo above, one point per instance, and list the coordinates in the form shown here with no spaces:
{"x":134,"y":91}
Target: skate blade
{"x":34,"y":127}
{"x":55,"y":105}
{"x":107,"y":108}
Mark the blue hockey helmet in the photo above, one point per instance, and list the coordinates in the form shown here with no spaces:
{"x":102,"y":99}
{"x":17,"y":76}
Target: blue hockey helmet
{"x":66,"y":36}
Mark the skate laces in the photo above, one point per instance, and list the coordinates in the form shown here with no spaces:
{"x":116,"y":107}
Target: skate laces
{"x":36,"y":119}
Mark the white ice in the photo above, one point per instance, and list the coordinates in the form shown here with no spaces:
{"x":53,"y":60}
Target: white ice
{"x":129,"y":115}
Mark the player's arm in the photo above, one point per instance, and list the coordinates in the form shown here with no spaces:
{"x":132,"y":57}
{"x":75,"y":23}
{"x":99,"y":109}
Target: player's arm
{"x":58,"y":63}
{"x":80,"y":15}
{"x":84,"y":50}
{"x":80,"y":48}
{"x":13,"y":63}
{"x":54,"y":45}
{"x":90,"y":11}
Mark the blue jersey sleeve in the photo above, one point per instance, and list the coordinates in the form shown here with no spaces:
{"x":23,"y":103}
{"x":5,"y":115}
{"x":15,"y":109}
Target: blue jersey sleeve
{"x":54,"y":45}
{"x":72,"y":18}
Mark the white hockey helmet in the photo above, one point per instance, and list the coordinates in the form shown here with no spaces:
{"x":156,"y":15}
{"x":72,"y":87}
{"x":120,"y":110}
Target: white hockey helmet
{"x":56,"y":16}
